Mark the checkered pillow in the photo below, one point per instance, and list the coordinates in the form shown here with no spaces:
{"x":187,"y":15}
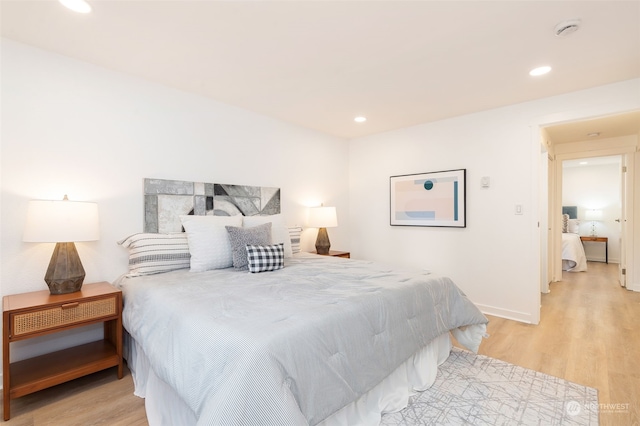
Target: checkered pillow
{"x":265,"y":258}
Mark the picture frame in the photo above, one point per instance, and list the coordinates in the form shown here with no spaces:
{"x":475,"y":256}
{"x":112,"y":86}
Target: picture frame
{"x":429,"y":199}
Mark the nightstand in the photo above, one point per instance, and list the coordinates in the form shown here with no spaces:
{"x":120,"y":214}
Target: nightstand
{"x":604,"y":240}
{"x":333,"y":253}
{"x":29,"y":315}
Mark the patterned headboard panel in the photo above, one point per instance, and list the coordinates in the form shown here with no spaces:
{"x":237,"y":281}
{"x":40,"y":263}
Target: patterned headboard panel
{"x":166,"y":200}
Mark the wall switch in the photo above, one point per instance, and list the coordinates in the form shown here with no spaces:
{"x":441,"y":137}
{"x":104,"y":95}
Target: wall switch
{"x":485,"y":181}
{"x":518,"y":208}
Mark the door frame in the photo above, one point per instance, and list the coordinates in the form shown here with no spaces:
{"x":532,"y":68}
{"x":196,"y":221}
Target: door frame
{"x":555,"y":204}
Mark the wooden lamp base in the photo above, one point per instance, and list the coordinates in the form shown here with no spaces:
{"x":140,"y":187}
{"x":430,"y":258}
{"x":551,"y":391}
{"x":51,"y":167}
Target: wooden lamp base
{"x":65,"y":273}
{"x":322,"y":241}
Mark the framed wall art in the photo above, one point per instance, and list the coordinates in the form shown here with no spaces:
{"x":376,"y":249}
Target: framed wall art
{"x":429,"y":199}
{"x":166,"y":200}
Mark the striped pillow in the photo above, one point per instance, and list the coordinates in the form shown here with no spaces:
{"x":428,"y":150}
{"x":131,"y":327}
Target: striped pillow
{"x":294,"y":234}
{"x":156,"y":253}
{"x":565,"y":223}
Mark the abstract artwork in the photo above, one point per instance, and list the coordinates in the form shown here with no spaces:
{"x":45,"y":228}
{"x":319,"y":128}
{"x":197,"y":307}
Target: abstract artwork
{"x":231,"y":200}
{"x":165,"y":200}
{"x":429,"y":199}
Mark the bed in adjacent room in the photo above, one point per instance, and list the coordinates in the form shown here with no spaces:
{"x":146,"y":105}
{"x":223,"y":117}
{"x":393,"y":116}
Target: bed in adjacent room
{"x":295,"y":339}
{"x":574,"y":258}
{"x":573,"y":255}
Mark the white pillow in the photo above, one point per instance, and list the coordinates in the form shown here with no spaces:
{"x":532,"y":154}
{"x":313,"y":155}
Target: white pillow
{"x":208,"y":241}
{"x":573,"y":226}
{"x":279,"y":230}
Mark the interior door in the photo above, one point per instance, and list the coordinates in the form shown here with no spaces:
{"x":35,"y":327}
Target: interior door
{"x":624,"y":213}
{"x":543,"y":223}
{"x":551,"y":173}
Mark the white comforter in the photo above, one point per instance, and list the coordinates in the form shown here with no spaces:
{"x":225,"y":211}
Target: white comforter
{"x":573,"y":257}
{"x":288,"y":347}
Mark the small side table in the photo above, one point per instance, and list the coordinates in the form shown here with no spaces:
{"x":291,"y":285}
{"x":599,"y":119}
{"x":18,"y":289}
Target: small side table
{"x":604,"y":240}
{"x":345,"y":254}
{"x":39,"y":313}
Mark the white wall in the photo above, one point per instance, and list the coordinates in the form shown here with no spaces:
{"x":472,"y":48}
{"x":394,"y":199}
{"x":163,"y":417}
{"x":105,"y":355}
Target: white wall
{"x":495,"y":260}
{"x":73,"y":128}
{"x":70,"y":127}
{"x":595,"y":187}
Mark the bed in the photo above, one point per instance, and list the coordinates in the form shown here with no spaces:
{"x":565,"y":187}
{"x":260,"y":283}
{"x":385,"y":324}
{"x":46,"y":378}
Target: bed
{"x":573,"y":255}
{"x":316,"y":340}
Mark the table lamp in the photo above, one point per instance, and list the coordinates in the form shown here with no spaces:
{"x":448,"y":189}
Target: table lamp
{"x":593,"y":215}
{"x":322,"y":218}
{"x":62,"y":222}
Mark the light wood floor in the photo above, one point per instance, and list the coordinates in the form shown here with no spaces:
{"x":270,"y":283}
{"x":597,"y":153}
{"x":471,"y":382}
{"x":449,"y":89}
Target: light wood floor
{"x":97,"y":399}
{"x":589,"y":334}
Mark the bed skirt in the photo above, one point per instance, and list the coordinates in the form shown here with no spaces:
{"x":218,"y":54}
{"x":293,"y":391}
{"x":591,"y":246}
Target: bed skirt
{"x":165,"y":407}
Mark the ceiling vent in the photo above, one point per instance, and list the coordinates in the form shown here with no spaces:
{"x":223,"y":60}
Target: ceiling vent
{"x":565,"y":28}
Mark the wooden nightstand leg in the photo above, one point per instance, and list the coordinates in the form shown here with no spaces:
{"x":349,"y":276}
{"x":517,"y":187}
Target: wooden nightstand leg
{"x":118,"y":325}
{"x":7,"y":404}
{"x":6,"y":372}
{"x":113,"y":333}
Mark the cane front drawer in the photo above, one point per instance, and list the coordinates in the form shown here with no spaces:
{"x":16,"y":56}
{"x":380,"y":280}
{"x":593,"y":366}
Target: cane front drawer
{"x":64,"y":314}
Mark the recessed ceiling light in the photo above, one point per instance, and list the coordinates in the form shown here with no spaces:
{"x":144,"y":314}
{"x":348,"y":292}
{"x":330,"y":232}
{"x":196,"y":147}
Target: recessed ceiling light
{"x":540,"y":71}
{"x":593,"y":134}
{"x":584,"y":163}
{"x":360,"y":119}
{"x":79,"y":6}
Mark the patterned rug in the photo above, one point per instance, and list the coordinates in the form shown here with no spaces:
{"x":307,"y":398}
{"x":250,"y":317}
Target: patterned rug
{"x":477,"y":390}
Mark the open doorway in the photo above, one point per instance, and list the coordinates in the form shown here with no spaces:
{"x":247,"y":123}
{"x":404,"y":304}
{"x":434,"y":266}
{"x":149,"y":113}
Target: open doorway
{"x":616,"y":136}
{"x":592,"y":201}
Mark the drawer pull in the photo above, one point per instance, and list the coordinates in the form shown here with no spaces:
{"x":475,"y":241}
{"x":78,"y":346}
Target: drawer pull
{"x":70,"y":305}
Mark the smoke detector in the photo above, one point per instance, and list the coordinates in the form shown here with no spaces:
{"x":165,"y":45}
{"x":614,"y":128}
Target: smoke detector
{"x":567,"y":27}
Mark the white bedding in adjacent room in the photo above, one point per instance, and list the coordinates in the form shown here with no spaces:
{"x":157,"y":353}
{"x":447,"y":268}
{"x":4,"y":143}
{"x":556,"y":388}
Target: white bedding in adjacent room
{"x":292,"y":346}
{"x":573,"y":256}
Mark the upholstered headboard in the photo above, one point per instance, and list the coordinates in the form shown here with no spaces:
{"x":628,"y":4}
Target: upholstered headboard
{"x":572,"y":211}
{"x":166,"y":200}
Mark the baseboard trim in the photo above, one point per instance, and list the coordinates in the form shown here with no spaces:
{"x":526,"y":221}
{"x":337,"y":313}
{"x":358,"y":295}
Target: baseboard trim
{"x":603,"y":260}
{"x":633,"y":287}
{"x":505,"y":313}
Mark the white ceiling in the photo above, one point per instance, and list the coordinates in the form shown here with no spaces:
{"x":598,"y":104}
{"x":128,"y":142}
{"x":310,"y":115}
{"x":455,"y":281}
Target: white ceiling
{"x":320,"y":63}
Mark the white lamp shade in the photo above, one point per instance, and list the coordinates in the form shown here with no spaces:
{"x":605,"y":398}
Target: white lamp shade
{"x":61,"y":221}
{"x":323,"y":217}
{"x":593,"y":214}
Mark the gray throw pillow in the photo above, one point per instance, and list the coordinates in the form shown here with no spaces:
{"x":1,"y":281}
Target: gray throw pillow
{"x":241,"y":237}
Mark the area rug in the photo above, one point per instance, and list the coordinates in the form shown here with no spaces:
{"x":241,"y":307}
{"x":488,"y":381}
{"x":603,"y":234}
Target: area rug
{"x":477,"y":390}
